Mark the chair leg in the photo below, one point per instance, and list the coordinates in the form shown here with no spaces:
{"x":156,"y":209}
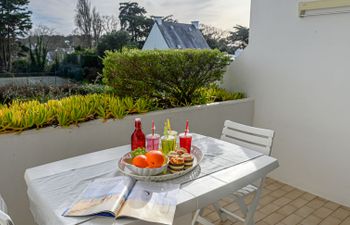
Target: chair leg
{"x":243,"y":207}
{"x":249,"y":220}
{"x":218,"y":211}
{"x":195,"y":216}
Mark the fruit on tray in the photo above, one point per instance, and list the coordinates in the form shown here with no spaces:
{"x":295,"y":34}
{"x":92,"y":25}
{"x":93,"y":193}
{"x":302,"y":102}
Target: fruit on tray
{"x":138,"y":151}
{"x":176,"y":164}
{"x":140,"y":161}
{"x":188,"y":158}
{"x":155,"y":159}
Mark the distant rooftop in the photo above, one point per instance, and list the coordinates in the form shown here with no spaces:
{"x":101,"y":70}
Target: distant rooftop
{"x":180,"y":35}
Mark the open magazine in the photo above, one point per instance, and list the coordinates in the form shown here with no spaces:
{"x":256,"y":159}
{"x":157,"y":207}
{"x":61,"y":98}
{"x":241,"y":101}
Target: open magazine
{"x":122,"y":196}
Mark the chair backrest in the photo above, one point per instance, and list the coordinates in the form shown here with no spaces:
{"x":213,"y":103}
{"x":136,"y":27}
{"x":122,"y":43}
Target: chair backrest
{"x":254,"y":138}
{"x":4,"y":218}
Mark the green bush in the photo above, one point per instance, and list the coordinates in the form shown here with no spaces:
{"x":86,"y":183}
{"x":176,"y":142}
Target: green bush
{"x":215,"y":94}
{"x":115,"y":40}
{"x":174,"y":77}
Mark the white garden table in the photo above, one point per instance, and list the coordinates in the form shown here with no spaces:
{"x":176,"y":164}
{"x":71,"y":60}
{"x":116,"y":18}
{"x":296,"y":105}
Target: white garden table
{"x":50,"y":192}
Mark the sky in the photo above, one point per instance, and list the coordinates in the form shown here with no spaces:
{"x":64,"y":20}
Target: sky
{"x":224,"y":14}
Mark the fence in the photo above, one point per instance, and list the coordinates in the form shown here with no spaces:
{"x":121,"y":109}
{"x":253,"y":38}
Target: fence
{"x":19,"y":80}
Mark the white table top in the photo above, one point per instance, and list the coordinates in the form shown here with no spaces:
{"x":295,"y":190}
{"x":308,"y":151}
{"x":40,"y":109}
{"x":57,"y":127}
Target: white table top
{"x":47,"y":207}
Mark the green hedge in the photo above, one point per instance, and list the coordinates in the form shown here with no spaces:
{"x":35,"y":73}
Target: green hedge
{"x":171,"y":76}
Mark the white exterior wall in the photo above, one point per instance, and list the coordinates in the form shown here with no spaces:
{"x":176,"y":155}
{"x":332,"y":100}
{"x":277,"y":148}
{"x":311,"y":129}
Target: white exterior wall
{"x":298,"y":71}
{"x":155,"y":40}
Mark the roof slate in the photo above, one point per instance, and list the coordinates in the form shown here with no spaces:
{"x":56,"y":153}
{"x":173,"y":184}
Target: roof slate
{"x":180,"y":35}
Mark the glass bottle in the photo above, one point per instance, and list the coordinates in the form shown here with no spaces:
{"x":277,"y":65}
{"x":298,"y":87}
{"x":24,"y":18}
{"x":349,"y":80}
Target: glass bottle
{"x":138,"y":139}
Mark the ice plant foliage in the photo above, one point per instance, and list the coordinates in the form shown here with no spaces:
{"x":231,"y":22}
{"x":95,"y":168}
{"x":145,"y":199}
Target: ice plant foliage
{"x":20,"y":116}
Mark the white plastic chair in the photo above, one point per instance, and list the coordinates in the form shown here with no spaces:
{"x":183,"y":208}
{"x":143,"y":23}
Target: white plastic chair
{"x":253,"y":138}
{"x":4,"y":218}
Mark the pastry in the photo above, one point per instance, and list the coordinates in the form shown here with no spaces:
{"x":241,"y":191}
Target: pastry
{"x":188,"y":160}
{"x":176,"y":164}
{"x":172,"y":153}
{"x":181,"y":151}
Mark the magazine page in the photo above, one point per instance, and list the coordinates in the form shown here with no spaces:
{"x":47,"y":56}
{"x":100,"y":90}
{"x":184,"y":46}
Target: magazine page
{"x":102,"y":197}
{"x":152,"y":202}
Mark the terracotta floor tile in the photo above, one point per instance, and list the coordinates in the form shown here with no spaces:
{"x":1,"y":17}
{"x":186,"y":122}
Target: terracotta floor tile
{"x":273,"y":186}
{"x":273,"y":218}
{"x":331,"y":205}
{"x":262,"y":223}
{"x":266,"y":200}
{"x":299,"y":202}
{"x":304,"y":211}
{"x":315,"y":203}
{"x":341,"y":213}
{"x":346,"y":221}
{"x":278,"y":193}
{"x":311,"y":220}
{"x":294,"y":194}
{"x":330,"y":221}
{"x":308,"y":196}
{"x":268,"y":209}
{"x":322,"y":212}
{"x":292,"y":219}
{"x":259,"y":216}
{"x":287,"y":188}
{"x":287,"y":210}
{"x":282,"y":201}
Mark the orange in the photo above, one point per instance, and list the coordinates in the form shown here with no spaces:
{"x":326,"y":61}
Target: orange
{"x":140,"y":161}
{"x":155,"y":159}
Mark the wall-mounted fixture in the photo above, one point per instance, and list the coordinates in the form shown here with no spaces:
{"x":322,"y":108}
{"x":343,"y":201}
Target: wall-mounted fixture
{"x":323,"y":7}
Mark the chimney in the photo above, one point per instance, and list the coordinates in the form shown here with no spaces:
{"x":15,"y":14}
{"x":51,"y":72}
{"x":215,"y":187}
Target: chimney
{"x":195,"y":24}
{"x":158,"y":19}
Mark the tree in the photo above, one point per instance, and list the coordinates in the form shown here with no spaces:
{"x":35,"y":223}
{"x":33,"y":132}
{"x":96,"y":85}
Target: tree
{"x":132,"y":19}
{"x":83,"y":20}
{"x":15,"y":21}
{"x":239,"y":37}
{"x":109,"y":24}
{"x":39,"y":48}
{"x":96,"y":25}
{"x":115,"y":40}
{"x":217,"y":38}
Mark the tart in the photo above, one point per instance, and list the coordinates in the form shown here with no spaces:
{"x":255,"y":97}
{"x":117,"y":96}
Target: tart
{"x":188,"y":160}
{"x":176,"y":164}
{"x":181,"y":151}
{"x":172,"y":154}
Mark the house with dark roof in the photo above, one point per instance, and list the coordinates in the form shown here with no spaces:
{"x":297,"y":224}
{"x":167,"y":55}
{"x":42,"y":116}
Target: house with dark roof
{"x":172,"y":35}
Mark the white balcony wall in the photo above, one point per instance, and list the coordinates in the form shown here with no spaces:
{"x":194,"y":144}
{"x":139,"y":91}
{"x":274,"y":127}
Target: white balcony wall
{"x":298,"y":71}
{"x":36,"y":147}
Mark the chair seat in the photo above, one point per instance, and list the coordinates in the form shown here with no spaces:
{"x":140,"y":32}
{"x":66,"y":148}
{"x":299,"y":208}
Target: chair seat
{"x":249,"y":189}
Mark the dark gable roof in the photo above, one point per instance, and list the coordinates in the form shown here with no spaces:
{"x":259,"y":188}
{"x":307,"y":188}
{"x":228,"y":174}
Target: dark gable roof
{"x":180,"y":35}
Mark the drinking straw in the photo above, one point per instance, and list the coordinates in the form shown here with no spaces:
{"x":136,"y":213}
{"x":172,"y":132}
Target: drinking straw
{"x":169,"y":127}
{"x":166,"y":133}
{"x":153,"y":128}
{"x":186,"y":129}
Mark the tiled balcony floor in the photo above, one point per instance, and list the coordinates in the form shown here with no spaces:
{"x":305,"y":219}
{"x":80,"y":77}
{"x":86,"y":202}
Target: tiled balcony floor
{"x":282,"y":204}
